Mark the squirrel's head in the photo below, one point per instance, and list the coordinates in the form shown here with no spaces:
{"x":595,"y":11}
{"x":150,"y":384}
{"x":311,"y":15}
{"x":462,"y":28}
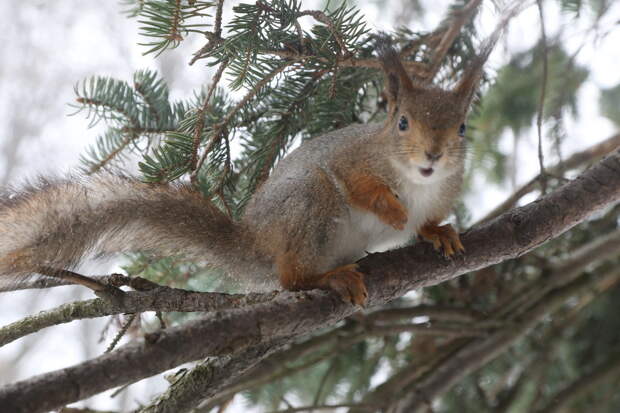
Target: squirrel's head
{"x":425,"y":124}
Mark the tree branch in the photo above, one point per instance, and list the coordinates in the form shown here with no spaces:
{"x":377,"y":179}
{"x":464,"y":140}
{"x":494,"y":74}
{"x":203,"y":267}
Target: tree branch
{"x":189,"y":391}
{"x":479,"y":352}
{"x":452,"y":31}
{"x":388,"y":275}
{"x":158,"y":299}
{"x":590,"y":154}
{"x":563,"y":272}
{"x":582,"y":386}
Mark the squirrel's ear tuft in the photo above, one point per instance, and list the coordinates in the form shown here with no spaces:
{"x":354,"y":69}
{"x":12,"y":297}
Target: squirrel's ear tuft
{"x":467,"y":86}
{"x":397,"y":81}
{"x":470,"y":81}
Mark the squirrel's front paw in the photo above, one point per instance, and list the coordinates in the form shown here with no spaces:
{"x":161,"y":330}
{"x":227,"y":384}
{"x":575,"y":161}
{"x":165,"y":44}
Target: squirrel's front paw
{"x":391,"y":211}
{"x":348,"y":282}
{"x":442,"y":237}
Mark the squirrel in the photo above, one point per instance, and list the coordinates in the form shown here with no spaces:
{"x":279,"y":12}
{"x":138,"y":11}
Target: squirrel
{"x":357,"y":189}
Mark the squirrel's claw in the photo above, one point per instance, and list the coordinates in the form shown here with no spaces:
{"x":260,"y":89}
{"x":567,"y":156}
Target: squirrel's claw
{"x":443,"y":237}
{"x":348,"y":282}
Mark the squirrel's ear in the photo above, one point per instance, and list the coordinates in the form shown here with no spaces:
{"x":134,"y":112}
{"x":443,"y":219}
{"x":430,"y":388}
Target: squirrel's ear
{"x":397,"y":81}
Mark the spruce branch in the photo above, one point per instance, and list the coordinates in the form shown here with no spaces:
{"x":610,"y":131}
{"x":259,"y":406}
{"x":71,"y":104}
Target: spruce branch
{"x":220,"y":128}
{"x":456,"y":22}
{"x":167,"y":21}
{"x":323,"y":18}
{"x":108,"y":148}
{"x":416,"y":68}
{"x":132,"y":114}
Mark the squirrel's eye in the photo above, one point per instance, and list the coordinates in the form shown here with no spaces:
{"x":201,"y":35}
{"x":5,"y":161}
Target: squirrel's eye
{"x":462,"y":130}
{"x":403,"y":124}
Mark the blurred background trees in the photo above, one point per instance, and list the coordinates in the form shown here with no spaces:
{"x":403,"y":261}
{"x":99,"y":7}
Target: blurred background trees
{"x":539,"y":333}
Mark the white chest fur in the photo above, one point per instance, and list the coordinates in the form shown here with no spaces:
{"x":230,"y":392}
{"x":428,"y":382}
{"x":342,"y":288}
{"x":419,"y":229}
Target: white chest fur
{"x":362,"y":231}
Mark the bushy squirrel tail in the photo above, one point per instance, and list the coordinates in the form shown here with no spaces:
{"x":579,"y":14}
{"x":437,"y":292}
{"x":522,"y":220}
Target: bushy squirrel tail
{"x":55,"y":223}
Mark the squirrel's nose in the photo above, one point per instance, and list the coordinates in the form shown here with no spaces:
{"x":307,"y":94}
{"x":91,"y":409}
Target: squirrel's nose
{"x":433,"y":156}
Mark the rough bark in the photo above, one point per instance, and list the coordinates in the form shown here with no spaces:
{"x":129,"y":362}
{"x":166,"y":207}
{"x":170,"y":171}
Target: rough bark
{"x":158,"y":299}
{"x":389,"y":275}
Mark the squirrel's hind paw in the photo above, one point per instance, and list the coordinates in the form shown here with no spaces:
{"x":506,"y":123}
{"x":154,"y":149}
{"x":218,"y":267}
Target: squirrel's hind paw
{"x":348,"y":282}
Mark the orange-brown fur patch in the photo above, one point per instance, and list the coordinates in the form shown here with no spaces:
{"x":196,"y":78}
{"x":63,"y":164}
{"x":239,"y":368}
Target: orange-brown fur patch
{"x":370,"y":193}
{"x":345,"y":280}
{"x":442,"y":237}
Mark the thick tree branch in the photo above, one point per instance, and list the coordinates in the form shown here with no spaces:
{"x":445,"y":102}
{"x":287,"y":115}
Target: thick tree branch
{"x":389,"y":275}
{"x":518,"y":307}
{"x":190,"y":390}
{"x":204,"y":379}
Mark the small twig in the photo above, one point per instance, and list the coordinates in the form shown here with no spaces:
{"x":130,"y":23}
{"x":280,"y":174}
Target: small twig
{"x":460,"y":18}
{"x":416,"y":68}
{"x":323,"y":18}
{"x":129,"y":138}
{"x":194,"y":165}
{"x":215,"y":37}
{"x":174,"y":34}
{"x":160,"y":317}
{"x":107,"y":291}
{"x":368,"y":407}
{"x":290,"y":406}
{"x":219,"y":188}
{"x":328,"y":372}
{"x":121,"y":333}
{"x":116,"y":280}
{"x":150,"y":104}
{"x":541,"y":103}
{"x":119,"y":390}
{"x":300,"y":34}
{"x":218,"y":19}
